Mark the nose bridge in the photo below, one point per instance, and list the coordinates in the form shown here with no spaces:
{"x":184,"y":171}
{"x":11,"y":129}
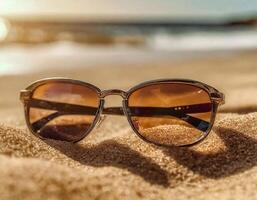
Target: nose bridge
{"x":118,"y":92}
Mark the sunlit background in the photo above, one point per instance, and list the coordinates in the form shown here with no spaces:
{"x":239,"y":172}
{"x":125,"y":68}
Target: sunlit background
{"x":146,"y":30}
{"x":144,"y":9}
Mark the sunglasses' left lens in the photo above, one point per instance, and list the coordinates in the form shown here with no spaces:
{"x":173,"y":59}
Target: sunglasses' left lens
{"x":172,"y":114}
{"x":62,"y":110}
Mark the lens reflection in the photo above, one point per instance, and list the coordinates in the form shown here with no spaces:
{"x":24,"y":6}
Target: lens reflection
{"x":62,"y":110}
{"x":170,"y":113}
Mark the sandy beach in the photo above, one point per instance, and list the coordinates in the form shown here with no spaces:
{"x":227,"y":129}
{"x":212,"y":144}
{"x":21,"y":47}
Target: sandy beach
{"x":113,"y":163}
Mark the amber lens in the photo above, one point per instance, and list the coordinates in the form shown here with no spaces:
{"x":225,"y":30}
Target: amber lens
{"x":170,"y":113}
{"x":62,"y":110}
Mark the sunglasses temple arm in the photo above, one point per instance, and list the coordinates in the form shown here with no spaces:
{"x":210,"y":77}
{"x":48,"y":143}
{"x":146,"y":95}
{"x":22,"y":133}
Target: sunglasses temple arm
{"x":200,"y":124}
{"x":71,"y":109}
{"x":43,"y":121}
{"x":60,"y":108}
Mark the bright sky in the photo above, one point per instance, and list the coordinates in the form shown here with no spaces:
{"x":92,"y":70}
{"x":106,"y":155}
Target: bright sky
{"x":171,"y":9}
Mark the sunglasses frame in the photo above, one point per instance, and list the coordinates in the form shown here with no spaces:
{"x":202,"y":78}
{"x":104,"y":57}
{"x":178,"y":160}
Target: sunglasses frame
{"x":217,"y":98}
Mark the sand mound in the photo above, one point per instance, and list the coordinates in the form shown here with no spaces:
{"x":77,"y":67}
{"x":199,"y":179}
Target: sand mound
{"x":50,"y":169}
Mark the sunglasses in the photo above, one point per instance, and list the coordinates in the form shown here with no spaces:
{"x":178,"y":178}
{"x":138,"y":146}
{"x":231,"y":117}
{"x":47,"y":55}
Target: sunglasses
{"x":163,"y":112}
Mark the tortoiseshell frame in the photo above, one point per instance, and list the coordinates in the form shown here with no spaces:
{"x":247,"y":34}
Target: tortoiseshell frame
{"x":217,"y":98}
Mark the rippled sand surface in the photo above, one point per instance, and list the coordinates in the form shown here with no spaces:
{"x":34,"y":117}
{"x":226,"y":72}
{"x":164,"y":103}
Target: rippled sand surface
{"x":113,"y":163}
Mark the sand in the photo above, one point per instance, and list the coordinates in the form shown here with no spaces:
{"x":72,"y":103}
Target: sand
{"x":113,"y":163}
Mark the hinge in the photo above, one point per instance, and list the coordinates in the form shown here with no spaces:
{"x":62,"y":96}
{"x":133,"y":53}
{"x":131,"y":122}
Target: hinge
{"x":218,"y":97}
{"x":25,"y":95}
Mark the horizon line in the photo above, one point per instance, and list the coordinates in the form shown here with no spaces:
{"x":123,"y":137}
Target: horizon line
{"x":130,"y":18}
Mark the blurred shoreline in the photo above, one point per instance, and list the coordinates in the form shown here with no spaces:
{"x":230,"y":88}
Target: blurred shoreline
{"x":26,"y":59}
{"x":155,"y":35}
{"x":35,"y":46}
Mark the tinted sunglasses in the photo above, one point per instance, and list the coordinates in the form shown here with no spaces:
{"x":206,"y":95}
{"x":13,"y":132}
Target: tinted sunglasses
{"x":163,"y":112}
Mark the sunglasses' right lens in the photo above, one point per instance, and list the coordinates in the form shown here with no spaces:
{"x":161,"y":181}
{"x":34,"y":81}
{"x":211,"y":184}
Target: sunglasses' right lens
{"x":62,"y":110}
{"x":170,"y":113}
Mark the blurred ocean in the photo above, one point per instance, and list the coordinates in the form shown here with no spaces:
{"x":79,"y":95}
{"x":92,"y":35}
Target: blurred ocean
{"x":205,"y":40}
{"x":126,"y":45}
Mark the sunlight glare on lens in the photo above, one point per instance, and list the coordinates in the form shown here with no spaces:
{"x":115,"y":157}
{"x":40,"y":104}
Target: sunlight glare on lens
{"x":3,"y":30}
